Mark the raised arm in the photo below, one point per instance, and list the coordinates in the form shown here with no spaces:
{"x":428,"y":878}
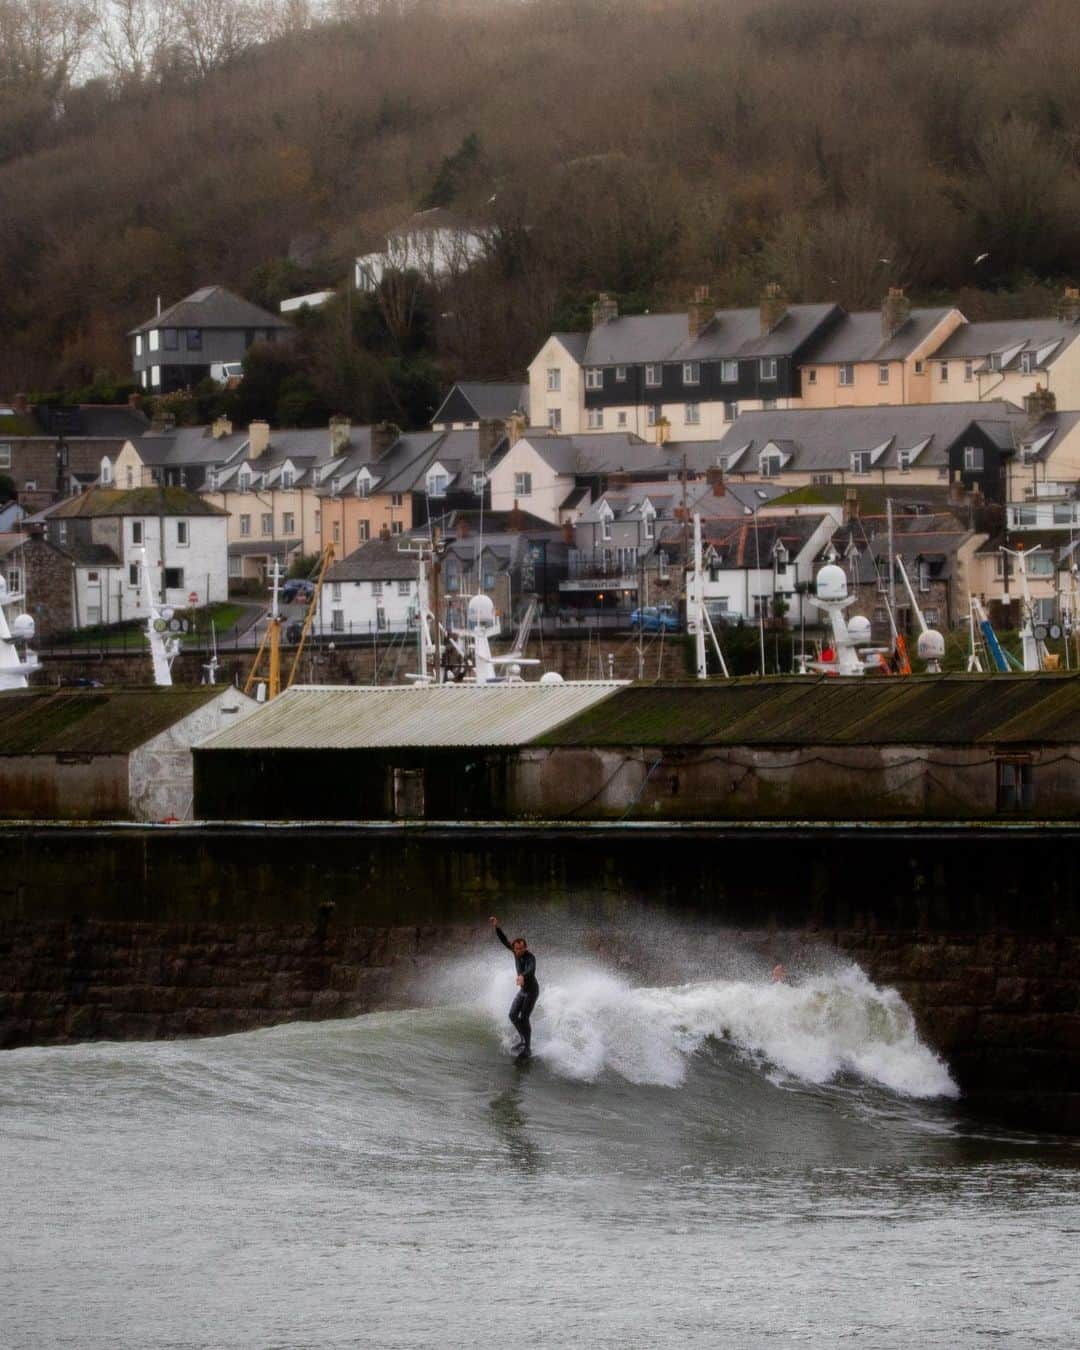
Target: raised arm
{"x":500,"y":934}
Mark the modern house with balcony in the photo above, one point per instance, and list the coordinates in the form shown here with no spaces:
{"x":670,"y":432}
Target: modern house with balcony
{"x":204,"y":335}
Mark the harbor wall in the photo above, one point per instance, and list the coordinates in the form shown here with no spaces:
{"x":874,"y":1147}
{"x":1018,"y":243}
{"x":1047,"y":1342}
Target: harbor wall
{"x":133,"y":932}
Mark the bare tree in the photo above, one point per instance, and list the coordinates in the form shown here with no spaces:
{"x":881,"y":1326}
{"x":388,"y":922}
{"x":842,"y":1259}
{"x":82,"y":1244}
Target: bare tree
{"x":132,"y":34}
{"x":42,"y":43}
{"x":213,"y":32}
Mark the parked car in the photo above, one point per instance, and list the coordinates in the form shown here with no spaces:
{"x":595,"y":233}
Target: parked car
{"x":656,"y":619}
{"x":297,"y":589}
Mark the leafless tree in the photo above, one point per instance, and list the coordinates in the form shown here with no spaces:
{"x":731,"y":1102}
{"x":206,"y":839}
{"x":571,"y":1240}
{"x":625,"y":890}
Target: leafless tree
{"x":42,"y":43}
{"x":132,"y":34}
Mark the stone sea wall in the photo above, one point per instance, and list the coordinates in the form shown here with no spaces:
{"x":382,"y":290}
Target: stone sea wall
{"x":140,"y":933}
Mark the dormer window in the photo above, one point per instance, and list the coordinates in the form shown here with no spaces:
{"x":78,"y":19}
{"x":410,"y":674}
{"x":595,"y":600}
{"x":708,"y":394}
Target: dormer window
{"x":335,"y":487}
{"x":691,"y":372}
{"x":479,"y":482}
{"x":861,"y":461}
{"x":993,"y":361}
{"x":437,"y":484}
{"x":1028,"y":362}
{"x":768,"y":367}
{"x":244,"y":482}
{"x":903,"y":459}
{"x":605,"y":527}
{"x":653,"y":375}
{"x":771,"y":465}
{"x":286,"y":478}
{"x":650,"y":524}
{"x":106,"y":470}
{"x":363,"y":485}
{"x":211,"y":479}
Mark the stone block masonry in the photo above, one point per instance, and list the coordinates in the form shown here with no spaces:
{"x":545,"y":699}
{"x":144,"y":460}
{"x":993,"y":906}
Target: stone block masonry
{"x":138,"y":933}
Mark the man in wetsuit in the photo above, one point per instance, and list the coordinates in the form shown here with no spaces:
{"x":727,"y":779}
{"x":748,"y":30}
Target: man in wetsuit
{"x":528,"y":989}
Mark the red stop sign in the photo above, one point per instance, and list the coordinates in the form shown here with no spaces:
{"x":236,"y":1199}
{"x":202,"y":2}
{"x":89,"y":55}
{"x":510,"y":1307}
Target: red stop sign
{"x":193,"y":598}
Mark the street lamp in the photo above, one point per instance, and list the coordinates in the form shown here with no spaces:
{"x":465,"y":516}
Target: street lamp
{"x":752,"y":512}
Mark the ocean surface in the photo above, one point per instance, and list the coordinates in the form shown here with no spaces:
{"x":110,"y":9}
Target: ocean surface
{"x":714,"y":1160}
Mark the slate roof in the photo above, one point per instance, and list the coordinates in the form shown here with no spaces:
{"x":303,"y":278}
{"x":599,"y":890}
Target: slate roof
{"x":377,"y":560}
{"x":823,"y":438}
{"x":187,"y":445}
{"x":601,"y":453}
{"x":93,"y":721}
{"x":147,"y":501}
{"x":779,"y":711}
{"x":979,"y":340}
{"x":488,"y":400}
{"x":213,"y":307}
{"x":858,"y":337}
{"x":112,"y":421}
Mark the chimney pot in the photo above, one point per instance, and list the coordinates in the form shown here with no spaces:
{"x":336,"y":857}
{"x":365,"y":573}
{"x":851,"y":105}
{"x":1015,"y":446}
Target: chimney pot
{"x":383,"y":436}
{"x":605,"y":308}
{"x":1040,"y":403}
{"x":220,"y":427}
{"x":773,"y":307}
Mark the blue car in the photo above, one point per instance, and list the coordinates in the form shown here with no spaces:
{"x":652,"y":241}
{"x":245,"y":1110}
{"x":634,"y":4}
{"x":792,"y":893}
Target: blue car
{"x":656,"y":619}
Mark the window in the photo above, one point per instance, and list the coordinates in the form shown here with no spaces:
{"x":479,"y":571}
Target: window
{"x":555,"y":419}
{"x":363,"y":531}
{"x":436,"y":484}
{"x":138,"y":344}
{"x":821,"y":479}
{"x":621,"y":419}
{"x":924,"y":576}
{"x":335,"y":591}
{"x":376,"y":588}
{"x":235,"y":565}
{"x":811,"y":376}
{"x":380,"y":619}
{"x":969,"y":371}
{"x":594,"y":378}
{"x":288,"y":522}
{"x":920,"y":367}
{"x":594,"y":419}
{"x":931,"y":616}
{"x":211,"y":479}
{"x":174,"y":578}
{"x":620,"y":374}
{"x":767,"y":367}
{"x":155,"y":340}
{"x":395,"y":499}
{"x":62,"y":532}
{"x":693,"y":414}
{"x":403,"y":587}
{"x":286,"y":478}
{"x":337,"y":532}
{"x":396,"y":527}
{"x":136,"y":532}
{"x":1027,"y":362}
{"x":847,"y":375}
{"x":605,"y":528}
{"x":883,"y":373}
{"x":860,"y":461}
{"x":133,"y":574}
{"x":1064,"y":513}
{"x":245,"y":525}
{"x":267,"y":520}
{"x":729,"y":372}
{"x":943,"y":372}
{"x":652,"y":415}
{"x":993,"y":361}
{"x":337,"y":620}
{"x":1039,"y":564}
{"x":731,"y":411}
{"x":653,"y":376}
{"x":170,"y":339}
{"x":93,"y":578}
{"x":244,"y":482}
{"x":193,"y":339}
{"x":650,"y":524}
{"x":523,"y":485}
{"x":130,"y":476}
{"x":318,"y":522}
{"x":903,"y":459}
{"x":973,"y":458}
{"x":182,"y":536}
{"x":554,"y":380}
{"x":5,"y":456}
{"x":691,"y":372}
{"x":1015,"y":789}
{"x":479,"y":482}
{"x":771,"y":466}
{"x":155,"y":377}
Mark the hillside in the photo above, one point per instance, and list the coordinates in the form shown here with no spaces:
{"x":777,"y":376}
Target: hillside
{"x":639,"y":146}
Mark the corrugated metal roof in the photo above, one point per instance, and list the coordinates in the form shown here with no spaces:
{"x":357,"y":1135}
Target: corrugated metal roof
{"x":920,"y":710}
{"x":92,"y":721}
{"x":321,"y":717}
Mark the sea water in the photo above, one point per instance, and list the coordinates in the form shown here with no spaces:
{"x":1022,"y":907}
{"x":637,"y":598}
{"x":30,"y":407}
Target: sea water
{"x":712,"y":1160}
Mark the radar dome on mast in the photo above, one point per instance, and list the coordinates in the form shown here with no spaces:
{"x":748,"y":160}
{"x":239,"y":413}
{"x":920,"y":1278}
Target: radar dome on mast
{"x":832,"y":583}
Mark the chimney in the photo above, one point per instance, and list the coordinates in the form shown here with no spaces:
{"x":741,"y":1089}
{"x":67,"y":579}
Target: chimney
{"x":488,"y":435}
{"x":221,"y":426}
{"x":340,"y":430}
{"x":851,"y":504}
{"x":515,"y":427}
{"x":1039,"y":404}
{"x":773,"y":307}
{"x":258,"y":439}
{"x":1069,"y":305}
{"x":605,"y":308}
{"x":20,"y":404}
{"x":895,"y":312}
{"x":517,"y":520}
{"x":383,"y":436}
{"x":700,"y":311}
{"x":715,"y":478}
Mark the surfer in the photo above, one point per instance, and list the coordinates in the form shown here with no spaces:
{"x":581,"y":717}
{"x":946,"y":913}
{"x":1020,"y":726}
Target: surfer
{"x":528,"y":989}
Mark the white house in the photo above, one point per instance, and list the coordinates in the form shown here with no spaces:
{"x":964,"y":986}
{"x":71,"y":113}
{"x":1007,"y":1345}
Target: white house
{"x":433,"y":242}
{"x":373,"y":590}
{"x":108,"y":532}
{"x":555,"y":477}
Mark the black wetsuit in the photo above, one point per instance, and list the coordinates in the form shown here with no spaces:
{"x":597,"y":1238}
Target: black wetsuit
{"x":523,"y":1004}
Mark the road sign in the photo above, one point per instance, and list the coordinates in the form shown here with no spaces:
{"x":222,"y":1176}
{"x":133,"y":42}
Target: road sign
{"x":193,"y":597}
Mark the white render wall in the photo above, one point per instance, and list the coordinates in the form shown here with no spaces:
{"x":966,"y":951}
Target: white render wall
{"x":570,"y":396}
{"x":549,"y":488}
{"x":358,"y":603}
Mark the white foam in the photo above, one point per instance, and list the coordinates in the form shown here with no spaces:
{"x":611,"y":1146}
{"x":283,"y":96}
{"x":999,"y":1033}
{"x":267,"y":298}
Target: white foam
{"x":590,"y":1021}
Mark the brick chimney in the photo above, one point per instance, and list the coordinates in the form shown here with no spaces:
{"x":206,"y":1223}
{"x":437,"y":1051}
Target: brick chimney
{"x":340,"y":431}
{"x":221,"y":426}
{"x":1039,"y":403}
{"x":517,"y":520}
{"x":715,"y":478}
{"x":1069,"y":305}
{"x":489,"y":433}
{"x":895,"y":312}
{"x":383,"y":436}
{"x":773,"y":307}
{"x":258,"y":439}
{"x":605,"y":308}
{"x":699,"y":313}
